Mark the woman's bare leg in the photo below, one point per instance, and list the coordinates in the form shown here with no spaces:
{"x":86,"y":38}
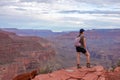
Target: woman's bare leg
{"x":88,"y":59}
{"x":78,"y":59}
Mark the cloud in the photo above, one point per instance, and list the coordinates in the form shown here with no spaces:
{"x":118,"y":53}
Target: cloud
{"x":91,"y":12}
{"x":67,"y":13}
{"x":8,"y":2}
{"x":80,"y":1}
{"x":39,"y":1}
{"x":100,"y":2}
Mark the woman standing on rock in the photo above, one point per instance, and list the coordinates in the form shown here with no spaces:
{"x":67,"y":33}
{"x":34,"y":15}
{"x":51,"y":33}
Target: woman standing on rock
{"x":80,"y":44}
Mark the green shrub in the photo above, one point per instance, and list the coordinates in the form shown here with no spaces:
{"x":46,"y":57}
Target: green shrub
{"x":45,"y":70}
{"x":118,"y":63}
{"x":49,"y":66}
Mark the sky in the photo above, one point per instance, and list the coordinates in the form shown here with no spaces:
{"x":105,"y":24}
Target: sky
{"x":60,"y":15}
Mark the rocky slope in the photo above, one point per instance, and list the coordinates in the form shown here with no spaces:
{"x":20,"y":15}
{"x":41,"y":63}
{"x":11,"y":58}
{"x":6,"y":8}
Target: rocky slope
{"x":94,"y":73}
{"x":20,"y":54}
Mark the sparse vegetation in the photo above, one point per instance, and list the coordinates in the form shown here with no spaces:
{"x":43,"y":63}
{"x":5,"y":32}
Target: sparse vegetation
{"x":113,"y":66}
{"x":49,"y":66}
{"x":118,"y":63}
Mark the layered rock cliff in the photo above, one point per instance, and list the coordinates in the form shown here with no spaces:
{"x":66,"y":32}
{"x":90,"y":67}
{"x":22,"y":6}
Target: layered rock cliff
{"x":19,"y":54}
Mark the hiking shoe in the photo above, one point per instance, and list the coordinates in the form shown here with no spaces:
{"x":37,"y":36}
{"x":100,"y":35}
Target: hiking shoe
{"x":78,"y":66}
{"x":88,"y":65}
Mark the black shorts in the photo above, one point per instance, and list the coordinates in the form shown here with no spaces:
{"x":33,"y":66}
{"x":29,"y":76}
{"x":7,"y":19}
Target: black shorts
{"x":80,"y":49}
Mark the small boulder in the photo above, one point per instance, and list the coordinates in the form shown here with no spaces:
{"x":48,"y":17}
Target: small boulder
{"x":99,"y":68}
{"x":117,"y":69}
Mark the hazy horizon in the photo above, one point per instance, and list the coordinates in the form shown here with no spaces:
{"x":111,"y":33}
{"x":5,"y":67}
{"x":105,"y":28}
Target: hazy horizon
{"x":58,"y":31}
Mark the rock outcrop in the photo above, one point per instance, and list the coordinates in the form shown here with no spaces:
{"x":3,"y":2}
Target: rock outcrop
{"x":94,"y":73}
{"x":26,"y":76}
{"x":113,"y":75}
